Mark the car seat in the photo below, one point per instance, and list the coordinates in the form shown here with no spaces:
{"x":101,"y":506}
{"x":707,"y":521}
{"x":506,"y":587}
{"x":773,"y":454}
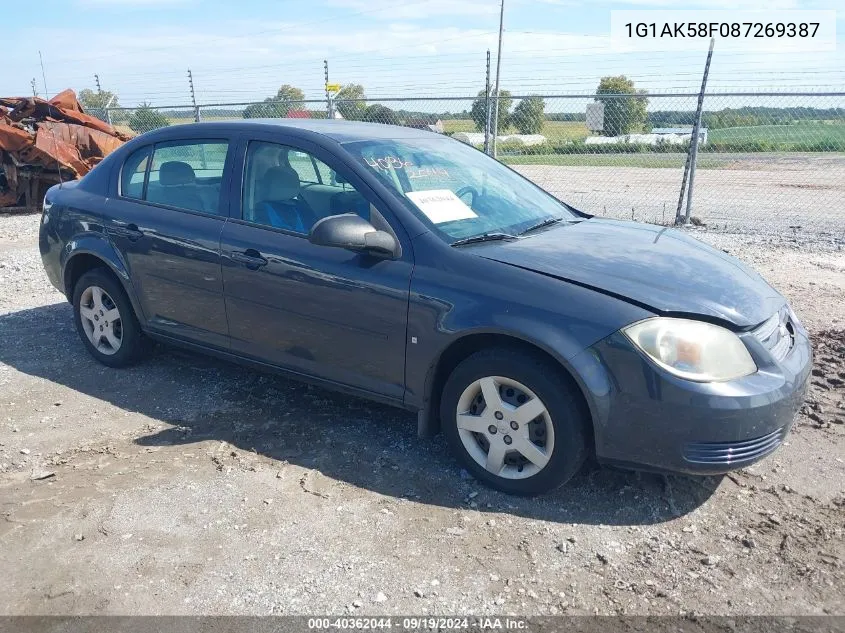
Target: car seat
{"x":177,"y":187}
{"x":279,"y":204}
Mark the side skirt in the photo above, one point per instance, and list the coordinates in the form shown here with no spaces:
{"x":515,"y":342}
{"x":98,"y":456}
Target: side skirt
{"x":276,"y":369}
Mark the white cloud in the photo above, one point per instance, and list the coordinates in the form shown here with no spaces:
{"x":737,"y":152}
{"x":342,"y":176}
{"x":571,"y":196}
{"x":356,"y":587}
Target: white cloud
{"x":390,"y":57}
{"x":394,"y":10}
{"x":118,"y":4}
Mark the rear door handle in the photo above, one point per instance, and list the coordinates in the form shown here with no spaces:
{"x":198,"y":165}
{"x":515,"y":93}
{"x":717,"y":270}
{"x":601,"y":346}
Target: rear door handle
{"x":250,"y":258}
{"x":130,"y":232}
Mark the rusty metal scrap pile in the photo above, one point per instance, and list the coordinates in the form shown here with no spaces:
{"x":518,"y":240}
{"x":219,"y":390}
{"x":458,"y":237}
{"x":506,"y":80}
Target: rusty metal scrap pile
{"x":38,"y":138}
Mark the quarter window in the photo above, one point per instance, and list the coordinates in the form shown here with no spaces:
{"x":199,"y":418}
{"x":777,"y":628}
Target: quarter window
{"x":186,"y":175}
{"x":133,"y":172}
{"x":289,"y":189}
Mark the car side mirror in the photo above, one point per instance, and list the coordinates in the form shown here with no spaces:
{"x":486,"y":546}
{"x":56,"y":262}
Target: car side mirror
{"x":353,"y":232}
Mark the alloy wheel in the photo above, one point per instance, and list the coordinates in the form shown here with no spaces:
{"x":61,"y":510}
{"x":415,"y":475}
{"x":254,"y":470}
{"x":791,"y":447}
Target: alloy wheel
{"x":505,"y":427}
{"x":101,"y":320}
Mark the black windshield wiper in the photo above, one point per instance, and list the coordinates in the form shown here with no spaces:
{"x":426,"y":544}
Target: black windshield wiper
{"x":539,"y":225}
{"x":485,"y":237}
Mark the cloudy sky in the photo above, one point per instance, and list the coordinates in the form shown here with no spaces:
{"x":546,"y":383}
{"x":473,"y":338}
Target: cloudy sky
{"x":241,"y":51}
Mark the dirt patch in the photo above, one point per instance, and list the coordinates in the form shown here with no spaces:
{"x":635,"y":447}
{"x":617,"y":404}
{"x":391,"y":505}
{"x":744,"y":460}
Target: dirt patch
{"x":190,"y":486}
{"x":825,"y":403}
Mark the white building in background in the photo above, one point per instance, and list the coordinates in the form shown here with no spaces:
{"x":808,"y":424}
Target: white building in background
{"x":670,"y":135}
{"x":470,"y":138}
{"x":477,"y":138}
{"x":686,"y":132}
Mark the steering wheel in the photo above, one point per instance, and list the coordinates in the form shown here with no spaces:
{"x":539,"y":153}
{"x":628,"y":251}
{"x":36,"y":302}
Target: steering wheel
{"x":468,"y":190}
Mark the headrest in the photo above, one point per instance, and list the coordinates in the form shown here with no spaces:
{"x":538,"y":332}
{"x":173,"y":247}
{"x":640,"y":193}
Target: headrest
{"x":176,"y":173}
{"x":279,"y":183}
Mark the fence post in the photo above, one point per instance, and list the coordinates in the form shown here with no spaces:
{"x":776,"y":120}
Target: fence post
{"x":197,"y":117}
{"x":108,"y":110}
{"x":692,"y":154}
{"x":329,"y":104}
{"x":498,"y":74}
{"x":487,"y":108}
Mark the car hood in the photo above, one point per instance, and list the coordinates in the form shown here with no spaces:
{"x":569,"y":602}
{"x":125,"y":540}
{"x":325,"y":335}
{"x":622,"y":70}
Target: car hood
{"x":658,"y":268}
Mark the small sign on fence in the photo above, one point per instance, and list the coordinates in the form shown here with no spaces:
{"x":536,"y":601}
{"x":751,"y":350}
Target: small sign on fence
{"x":332,"y":87}
{"x":595,"y":116}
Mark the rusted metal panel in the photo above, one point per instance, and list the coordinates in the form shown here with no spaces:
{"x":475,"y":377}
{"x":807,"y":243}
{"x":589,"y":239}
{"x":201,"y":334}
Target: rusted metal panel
{"x":42,"y":142}
{"x":92,"y":145}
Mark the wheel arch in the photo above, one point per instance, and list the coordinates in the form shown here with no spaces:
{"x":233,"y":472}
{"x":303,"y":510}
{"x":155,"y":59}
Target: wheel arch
{"x":428,"y":417}
{"x":96,"y":253}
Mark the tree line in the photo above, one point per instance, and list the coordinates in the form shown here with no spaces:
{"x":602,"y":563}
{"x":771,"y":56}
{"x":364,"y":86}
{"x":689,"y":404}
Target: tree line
{"x":625,"y":114}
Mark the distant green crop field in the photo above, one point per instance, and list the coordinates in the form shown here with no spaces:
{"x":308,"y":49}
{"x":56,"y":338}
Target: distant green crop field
{"x":801,"y":132}
{"x":553,"y":130}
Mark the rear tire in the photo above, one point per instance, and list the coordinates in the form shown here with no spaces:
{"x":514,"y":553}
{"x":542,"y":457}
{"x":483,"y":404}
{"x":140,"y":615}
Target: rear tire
{"x":105,"y":320}
{"x":533,"y":439}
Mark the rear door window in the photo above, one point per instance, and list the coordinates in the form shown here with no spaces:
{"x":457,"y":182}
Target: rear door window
{"x":187,"y":175}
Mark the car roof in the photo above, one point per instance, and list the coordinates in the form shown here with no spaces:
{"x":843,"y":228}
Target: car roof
{"x":340,"y":130}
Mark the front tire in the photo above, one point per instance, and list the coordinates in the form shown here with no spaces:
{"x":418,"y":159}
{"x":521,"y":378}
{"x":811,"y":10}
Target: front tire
{"x":514,"y":421}
{"x":105,"y":320}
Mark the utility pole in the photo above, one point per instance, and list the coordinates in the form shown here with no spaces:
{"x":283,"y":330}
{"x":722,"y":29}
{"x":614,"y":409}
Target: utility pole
{"x":487,"y":107}
{"x":97,"y":82}
{"x":329,"y":101}
{"x":193,"y":97}
{"x":43,"y":75}
{"x":498,"y":72}
{"x":34,"y":89}
{"x":692,"y":157}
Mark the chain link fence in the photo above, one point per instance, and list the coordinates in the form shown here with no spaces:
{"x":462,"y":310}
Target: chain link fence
{"x":766,"y":162}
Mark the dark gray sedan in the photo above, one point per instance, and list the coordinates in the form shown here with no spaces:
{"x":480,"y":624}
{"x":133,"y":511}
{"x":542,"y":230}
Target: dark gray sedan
{"x":406,"y":267}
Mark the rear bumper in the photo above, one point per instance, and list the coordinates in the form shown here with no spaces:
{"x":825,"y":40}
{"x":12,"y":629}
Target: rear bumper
{"x":50,"y":248}
{"x":646,"y":418}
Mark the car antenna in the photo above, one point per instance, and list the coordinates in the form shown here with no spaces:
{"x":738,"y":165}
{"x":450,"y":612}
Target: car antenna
{"x":56,"y":150}
{"x":58,"y":162}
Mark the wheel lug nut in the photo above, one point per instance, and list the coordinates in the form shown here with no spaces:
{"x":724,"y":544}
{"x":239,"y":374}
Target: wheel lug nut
{"x":507,"y":439}
{"x":499,"y":415}
{"x":514,"y":425}
{"x":492,"y":429}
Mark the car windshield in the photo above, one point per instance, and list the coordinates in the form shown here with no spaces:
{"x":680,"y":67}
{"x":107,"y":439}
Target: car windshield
{"x":457,"y":190}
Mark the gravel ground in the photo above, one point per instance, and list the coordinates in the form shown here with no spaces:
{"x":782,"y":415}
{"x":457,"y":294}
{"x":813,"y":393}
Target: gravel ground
{"x":190,"y":486}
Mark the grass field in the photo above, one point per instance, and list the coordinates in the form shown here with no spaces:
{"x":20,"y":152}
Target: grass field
{"x":802,"y":132}
{"x":553,"y":130}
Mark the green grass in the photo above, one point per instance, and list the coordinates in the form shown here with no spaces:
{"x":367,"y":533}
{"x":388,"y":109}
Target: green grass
{"x":615,"y":160}
{"x":553,"y":130}
{"x":801,"y":132}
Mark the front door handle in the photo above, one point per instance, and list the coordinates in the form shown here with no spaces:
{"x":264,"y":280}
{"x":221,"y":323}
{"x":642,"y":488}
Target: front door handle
{"x":250,"y":258}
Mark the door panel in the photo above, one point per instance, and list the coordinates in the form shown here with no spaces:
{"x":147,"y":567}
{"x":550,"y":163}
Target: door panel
{"x":172,"y":247}
{"x":326,"y":312}
{"x":322,"y":311}
{"x":173,"y":259}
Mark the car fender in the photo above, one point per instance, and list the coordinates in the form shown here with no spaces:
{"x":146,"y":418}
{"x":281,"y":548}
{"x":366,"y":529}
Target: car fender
{"x":99,"y":246}
{"x":585,"y":369}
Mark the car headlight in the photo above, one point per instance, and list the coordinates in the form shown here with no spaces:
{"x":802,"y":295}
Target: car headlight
{"x":794,"y":318}
{"x":693,"y":350}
